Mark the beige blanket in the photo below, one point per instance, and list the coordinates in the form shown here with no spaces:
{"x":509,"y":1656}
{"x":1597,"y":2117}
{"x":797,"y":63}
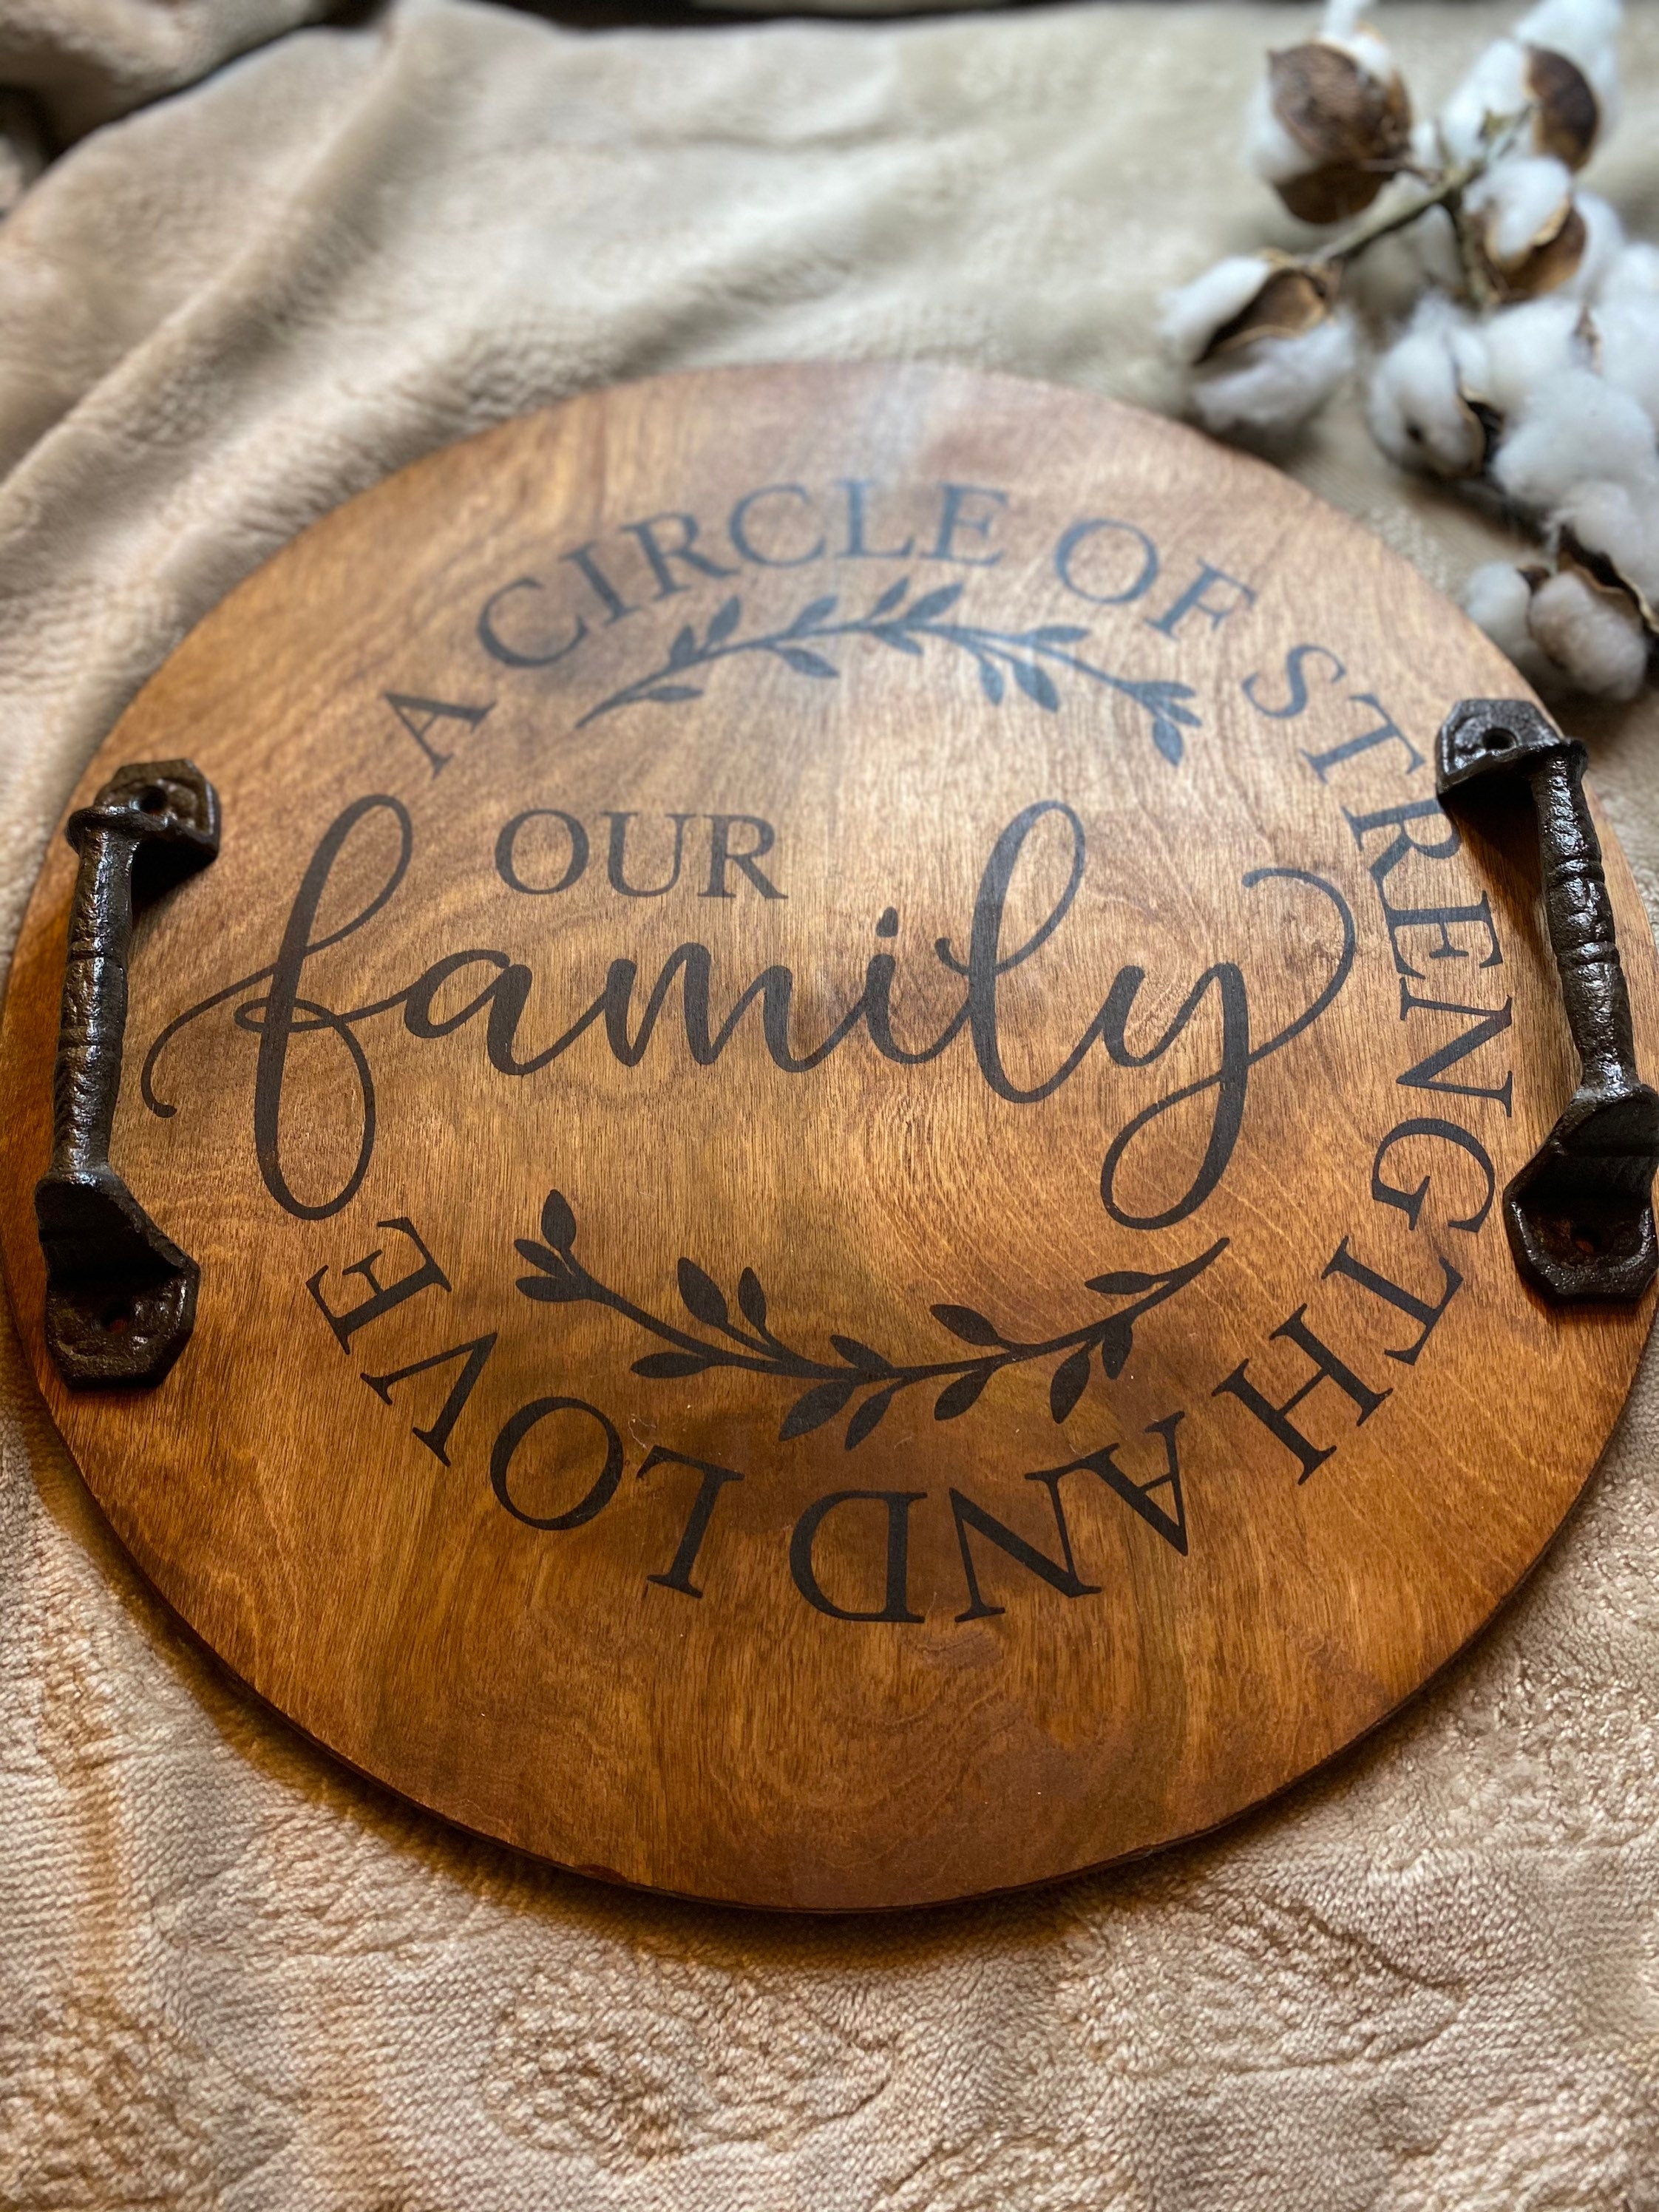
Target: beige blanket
{"x":231,"y":1975}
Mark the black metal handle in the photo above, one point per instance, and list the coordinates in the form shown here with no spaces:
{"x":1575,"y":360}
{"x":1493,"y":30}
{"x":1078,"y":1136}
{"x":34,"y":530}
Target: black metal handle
{"x":1580,"y":1213}
{"x":120,"y":1296}
{"x":1579,"y":916}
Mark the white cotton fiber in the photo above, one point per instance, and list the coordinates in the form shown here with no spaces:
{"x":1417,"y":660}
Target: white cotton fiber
{"x":1587,"y":32}
{"x":1364,"y":47}
{"x":1189,"y":318}
{"x":1619,"y":524}
{"x":1525,"y":344}
{"x":1604,"y":243}
{"x":1498,"y":597}
{"x":1433,"y":242}
{"x":1279,"y":381}
{"x":1626,"y":338}
{"x":1416,"y":404}
{"x":1496,"y":87}
{"x":1518,"y":201}
{"x":1269,"y":148}
{"x":1633,"y":274}
{"x":1575,"y":426}
{"x":1593,"y":635}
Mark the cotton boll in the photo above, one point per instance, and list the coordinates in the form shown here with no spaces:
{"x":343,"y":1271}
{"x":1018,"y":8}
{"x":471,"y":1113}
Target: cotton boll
{"x":1516,"y":200}
{"x":1189,"y":318}
{"x":1595,"y":635}
{"x":1617,"y":529}
{"x":1562,"y":61}
{"x":1332,"y":124}
{"x":1526,"y":345}
{"x":1575,"y":426}
{"x":1564,"y":632}
{"x":1626,"y":343}
{"x":1278,"y":382}
{"x":1531,"y":236}
{"x":1586,"y":33}
{"x":1418,"y":404}
{"x":1498,"y":598}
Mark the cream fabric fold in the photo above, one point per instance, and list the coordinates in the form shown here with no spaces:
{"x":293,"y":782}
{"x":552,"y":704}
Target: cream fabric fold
{"x":231,"y":1975}
{"x":86,"y":61}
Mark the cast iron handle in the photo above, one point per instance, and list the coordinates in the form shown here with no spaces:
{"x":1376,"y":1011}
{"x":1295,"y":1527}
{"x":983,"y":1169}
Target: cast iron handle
{"x":120,"y":1296}
{"x":1580,"y":1213}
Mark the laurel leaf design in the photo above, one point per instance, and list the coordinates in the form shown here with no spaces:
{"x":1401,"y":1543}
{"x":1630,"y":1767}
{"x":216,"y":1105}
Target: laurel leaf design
{"x":957,"y":1397}
{"x":972,"y":1327}
{"x":867,"y":1416}
{"x":1036,"y":683}
{"x":560,"y":1289}
{"x":819,"y":1405}
{"x":667,"y":1366}
{"x":932,"y":604}
{"x":550,"y":1263}
{"x":558,"y":1222}
{"x":862,"y":1355}
{"x":701,"y":1295}
{"x":1068,"y":1382}
{"x":1116,"y":1342}
{"x":724,"y":623}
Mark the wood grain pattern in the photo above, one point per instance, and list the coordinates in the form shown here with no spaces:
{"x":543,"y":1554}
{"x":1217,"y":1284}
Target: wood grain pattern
{"x":1121,"y":1042}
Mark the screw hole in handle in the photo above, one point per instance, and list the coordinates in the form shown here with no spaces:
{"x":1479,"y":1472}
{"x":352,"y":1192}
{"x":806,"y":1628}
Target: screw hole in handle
{"x":120,"y":1295}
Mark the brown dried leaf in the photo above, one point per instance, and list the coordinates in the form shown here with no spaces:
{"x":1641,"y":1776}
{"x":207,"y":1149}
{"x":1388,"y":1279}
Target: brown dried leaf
{"x":1602,"y":574}
{"x":1357,"y":130}
{"x":1568,"y":116}
{"x":1333,"y":193}
{"x":1549,"y":260}
{"x":1293,"y":299}
{"x":1486,"y":426}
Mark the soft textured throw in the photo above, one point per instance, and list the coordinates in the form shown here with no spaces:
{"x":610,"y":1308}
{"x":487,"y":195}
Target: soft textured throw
{"x":231,"y":1975}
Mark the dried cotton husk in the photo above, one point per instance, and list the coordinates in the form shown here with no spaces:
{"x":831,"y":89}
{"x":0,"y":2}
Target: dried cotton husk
{"x":1528,"y":229}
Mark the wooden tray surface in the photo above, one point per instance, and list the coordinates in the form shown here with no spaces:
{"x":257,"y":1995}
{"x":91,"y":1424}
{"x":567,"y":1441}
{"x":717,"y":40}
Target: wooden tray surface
{"x":840,"y":1097}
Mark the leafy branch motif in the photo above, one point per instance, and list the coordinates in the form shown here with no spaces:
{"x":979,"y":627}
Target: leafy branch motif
{"x":1025,"y":657}
{"x":858,"y":1375}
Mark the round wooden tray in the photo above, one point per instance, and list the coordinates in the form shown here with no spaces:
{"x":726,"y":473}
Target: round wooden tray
{"x":840,"y":1097}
